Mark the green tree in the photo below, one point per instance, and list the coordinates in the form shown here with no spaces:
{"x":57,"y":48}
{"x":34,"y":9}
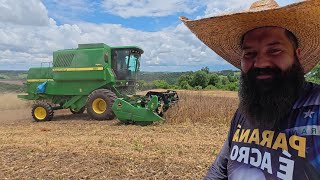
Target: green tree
{"x":185,"y":77}
{"x":200,"y":78}
{"x":232,"y":78}
{"x":161,"y":84}
{"x":198,"y":87}
{"x":142,"y":85}
{"x":234,"y":86}
{"x":174,"y":86}
{"x":210,"y":87}
{"x":205,"y":69}
{"x":214,"y":79}
{"x":224,"y":80}
{"x":314,"y":75}
{"x":185,"y":85}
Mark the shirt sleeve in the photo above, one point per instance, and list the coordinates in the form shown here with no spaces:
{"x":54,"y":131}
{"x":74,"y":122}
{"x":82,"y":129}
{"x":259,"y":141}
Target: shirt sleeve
{"x":218,"y":169}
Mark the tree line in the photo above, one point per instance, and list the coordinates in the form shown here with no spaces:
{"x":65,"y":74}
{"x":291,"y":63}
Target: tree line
{"x":202,"y":79}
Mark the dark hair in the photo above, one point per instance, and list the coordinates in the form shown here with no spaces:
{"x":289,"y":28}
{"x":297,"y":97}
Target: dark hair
{"x":292,"y":38}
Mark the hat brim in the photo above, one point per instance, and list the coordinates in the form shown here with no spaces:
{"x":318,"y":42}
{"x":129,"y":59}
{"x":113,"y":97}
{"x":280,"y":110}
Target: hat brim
{"x":223,"y":33}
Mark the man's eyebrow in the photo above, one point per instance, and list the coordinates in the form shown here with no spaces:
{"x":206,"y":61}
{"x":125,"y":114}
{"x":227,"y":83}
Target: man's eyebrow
{"x":274,"y":43}
{"x":270,"y":44}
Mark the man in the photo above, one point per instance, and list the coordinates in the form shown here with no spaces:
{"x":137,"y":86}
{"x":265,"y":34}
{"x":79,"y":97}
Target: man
{"x":275,"y":133}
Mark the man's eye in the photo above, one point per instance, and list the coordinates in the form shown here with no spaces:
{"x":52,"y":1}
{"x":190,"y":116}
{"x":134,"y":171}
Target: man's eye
{"x":275,"y":51}
{"x":249,"y":55}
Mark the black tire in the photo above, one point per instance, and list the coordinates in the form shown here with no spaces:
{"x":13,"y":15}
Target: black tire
{"x":99,"y":104}
{"x":42,"y":111}
{"x":78,"y":112}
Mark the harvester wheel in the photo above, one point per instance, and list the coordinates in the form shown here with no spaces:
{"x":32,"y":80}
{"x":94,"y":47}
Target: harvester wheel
{"x":99,"y":104}
{"x":42,"y":111}
{"x":78,"y":112}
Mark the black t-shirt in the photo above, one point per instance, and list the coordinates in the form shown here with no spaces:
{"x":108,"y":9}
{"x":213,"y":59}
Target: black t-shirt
{"x":289,"y":151}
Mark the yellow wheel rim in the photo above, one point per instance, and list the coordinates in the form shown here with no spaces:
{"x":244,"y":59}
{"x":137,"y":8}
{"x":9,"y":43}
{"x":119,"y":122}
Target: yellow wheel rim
{"x":40,"y":113}
{"x":99,"y":106}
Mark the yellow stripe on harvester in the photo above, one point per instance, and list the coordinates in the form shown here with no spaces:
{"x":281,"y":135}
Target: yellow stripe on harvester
{"x":77,"y":69}
{"x":38,"y":80}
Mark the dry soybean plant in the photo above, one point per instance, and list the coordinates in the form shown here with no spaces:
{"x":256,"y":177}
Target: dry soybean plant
{"x":202,"y":107}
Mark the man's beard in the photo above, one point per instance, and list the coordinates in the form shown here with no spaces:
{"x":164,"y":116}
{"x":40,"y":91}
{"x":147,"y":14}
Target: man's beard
{"x":265,"y":102}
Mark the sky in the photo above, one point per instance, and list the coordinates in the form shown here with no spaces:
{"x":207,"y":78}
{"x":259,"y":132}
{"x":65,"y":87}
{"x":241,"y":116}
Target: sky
{"x":31,"y":30}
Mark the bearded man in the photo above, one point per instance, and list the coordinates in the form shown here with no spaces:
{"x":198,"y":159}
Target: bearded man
{"x":275,"y":133}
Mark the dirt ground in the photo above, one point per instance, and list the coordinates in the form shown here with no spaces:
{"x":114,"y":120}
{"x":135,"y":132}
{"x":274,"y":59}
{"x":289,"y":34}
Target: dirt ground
{"x":75,"y":147}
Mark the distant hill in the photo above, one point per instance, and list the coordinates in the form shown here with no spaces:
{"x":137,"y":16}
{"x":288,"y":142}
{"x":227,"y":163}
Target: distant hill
{"x":13,"y":75}
{"x":170,"y":77}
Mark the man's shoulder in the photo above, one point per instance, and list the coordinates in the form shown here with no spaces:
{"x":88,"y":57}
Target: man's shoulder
{"x":310,"y":96}
{"x":237,"y":119}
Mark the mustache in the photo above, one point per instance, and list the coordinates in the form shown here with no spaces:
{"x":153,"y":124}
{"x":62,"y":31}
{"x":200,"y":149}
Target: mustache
{"x":254,"y":72}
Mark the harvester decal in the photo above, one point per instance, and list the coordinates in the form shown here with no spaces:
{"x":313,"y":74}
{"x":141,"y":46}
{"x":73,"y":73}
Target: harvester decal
{"x":77,"y":69}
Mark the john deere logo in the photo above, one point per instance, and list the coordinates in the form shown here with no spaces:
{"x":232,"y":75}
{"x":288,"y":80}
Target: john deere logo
{"x":119,"y":104}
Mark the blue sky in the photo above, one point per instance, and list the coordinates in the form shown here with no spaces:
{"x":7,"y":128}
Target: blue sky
{"x":31,"y":30}
{"x":99,"y":15}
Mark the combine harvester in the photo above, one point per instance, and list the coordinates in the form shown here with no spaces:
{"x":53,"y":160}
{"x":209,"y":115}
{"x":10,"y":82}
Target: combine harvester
{"x":99,"y":78}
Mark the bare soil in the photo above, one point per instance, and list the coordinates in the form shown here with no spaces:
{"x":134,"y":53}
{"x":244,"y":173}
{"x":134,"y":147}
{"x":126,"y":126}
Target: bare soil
{"x":75,"y":147}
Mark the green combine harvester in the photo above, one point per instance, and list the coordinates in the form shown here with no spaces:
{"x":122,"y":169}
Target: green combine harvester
{"x":98,"y":78}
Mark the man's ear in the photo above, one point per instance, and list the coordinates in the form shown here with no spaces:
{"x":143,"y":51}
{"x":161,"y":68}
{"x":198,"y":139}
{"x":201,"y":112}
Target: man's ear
{"x":298,"y":53}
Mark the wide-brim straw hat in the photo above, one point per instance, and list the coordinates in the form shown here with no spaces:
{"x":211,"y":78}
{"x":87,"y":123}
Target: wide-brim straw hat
{"x":223,"y":33}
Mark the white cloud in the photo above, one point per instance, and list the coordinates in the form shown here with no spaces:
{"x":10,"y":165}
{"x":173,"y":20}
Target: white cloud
{"x":154,"y":8}
{"x":221,"y":7}
{"x":169,"y":49}
{"x":31,"y":12}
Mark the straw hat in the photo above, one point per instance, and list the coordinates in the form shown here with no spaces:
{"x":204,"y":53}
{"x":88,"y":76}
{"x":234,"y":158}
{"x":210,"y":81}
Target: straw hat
{"x":223,"y":33}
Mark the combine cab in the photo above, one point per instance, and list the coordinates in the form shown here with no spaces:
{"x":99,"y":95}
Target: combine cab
{"x":98,"y":78}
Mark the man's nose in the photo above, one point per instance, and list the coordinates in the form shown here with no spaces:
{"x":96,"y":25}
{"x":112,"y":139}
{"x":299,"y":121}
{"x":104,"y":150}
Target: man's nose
{"x":262,"y":61}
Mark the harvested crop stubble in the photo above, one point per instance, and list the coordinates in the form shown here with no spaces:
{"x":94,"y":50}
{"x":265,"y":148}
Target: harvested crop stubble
{"x":75,"y":147}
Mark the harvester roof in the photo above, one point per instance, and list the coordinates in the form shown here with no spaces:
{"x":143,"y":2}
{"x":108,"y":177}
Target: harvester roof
{"x":137,"y":48}
{"x":92,"y":46}
{"x":102,"y":45}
